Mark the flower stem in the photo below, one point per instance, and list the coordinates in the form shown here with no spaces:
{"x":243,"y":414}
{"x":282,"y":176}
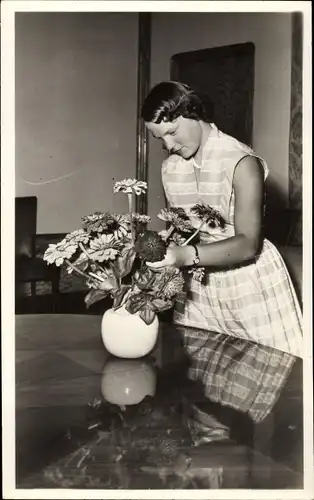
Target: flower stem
{"x":85,"y":252}
{"x":96,"y":277}
{"x":194,"y":234}
{"x":130,"y":200}
{"x":76,"y":269}
{"x":169,"y":232}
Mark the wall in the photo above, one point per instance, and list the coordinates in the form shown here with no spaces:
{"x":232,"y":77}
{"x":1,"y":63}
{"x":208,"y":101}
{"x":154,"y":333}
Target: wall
{"x":76,"y":85}
{"x":271,"y":33}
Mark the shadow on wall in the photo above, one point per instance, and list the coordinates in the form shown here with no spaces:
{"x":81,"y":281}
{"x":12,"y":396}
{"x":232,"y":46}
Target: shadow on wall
{"x":276,"y":198}
{"x":282,"y":223}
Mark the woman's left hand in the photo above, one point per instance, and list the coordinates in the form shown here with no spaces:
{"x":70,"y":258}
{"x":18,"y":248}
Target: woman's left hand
{"x":174,"y":257}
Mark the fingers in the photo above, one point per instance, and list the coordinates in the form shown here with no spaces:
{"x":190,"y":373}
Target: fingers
{"x":156,"y":265}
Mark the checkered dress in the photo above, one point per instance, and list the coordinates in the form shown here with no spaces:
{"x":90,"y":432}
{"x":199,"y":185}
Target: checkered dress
{"x":255,"y":302}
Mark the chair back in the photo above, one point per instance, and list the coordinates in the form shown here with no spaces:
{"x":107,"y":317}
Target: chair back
{"x":25,"y":224}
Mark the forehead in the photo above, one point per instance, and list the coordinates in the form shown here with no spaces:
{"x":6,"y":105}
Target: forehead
{"x":158,"y":130}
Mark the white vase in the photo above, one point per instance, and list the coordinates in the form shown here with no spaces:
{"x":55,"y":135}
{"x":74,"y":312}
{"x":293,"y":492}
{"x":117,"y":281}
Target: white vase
{"x":127,"y":381}
{"x":126,"y":335}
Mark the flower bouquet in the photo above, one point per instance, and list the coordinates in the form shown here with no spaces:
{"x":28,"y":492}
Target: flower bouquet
{"x":110,"y":252}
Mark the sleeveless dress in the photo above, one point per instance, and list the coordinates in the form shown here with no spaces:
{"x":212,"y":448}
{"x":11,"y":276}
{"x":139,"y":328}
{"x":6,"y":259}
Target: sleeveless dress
{"x":257,"y":301}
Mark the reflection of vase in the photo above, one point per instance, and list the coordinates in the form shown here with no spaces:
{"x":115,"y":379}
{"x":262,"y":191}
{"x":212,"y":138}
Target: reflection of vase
{"x":127,"y":381}
{"x":126,"y":335}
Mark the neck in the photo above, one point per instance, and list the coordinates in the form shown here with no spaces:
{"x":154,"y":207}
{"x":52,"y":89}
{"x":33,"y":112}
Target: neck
{"x":206,"y":129}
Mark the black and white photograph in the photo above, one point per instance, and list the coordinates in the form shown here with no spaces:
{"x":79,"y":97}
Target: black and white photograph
{"x":156,"y":250}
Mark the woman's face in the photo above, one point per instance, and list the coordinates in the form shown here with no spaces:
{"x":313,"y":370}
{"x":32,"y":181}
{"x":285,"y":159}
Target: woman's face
{"x":182,"y":136}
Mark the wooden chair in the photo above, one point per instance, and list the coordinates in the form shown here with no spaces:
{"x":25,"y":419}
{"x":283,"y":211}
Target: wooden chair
{"x":29,"y":266}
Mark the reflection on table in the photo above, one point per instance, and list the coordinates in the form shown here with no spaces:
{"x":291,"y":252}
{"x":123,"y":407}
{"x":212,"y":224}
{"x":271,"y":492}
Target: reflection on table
{"x":201,"y":411}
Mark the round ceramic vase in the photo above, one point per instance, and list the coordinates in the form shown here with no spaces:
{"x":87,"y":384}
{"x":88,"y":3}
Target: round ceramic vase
{"x":126,"y":335}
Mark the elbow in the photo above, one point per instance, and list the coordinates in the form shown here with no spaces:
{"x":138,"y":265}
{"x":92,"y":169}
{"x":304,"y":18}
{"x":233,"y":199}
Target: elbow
{"x":252,"y":248}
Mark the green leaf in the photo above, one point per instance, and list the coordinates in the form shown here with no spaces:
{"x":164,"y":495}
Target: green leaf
{"x":81,"y":262}
{"x":119,"y":295}
{"x":147,"y":316}
{"x":135,"y":305}
{"x":162,"y":305}
{"x":124,"y":263}
{"x":144,"y":279}
{"x":109,"y":282}
{"x":94,"y":296}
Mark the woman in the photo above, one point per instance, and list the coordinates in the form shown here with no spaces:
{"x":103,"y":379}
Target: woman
{"x":247,"y":292}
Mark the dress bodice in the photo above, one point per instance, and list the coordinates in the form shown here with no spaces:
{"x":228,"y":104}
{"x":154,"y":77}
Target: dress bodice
{"x":211,"y":183}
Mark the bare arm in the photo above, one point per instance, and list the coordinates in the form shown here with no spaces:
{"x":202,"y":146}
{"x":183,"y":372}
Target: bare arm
{"x":248,"y":184}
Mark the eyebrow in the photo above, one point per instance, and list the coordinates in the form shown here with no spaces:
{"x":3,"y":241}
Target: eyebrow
{"x":168,"y":132}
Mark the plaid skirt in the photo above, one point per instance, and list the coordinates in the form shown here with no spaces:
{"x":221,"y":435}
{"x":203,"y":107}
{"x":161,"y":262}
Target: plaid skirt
{"x":255,"y":302}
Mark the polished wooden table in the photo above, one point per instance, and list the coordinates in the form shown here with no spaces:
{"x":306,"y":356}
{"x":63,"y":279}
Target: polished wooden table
{"x":87,"y":420}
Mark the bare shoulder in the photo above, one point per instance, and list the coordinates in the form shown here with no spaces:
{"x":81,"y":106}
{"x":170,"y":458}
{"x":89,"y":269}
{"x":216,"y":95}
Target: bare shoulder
{"x":248,"y":170}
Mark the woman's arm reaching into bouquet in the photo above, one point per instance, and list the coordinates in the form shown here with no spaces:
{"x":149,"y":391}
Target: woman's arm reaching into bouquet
{"x":248,"y":185}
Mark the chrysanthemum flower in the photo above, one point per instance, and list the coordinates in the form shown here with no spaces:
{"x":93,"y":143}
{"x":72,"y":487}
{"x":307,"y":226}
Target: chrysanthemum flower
{"x":78,"y":236}
{"x":57,"y":253}
{"x":118,"y":224}
{"x":95,"y":223}
{"x":150,"y":246}
{"x":177,"y":239}
{"x":93,"y":217}
{"x":173,"y":287}
{"x":106,"y":247}
{"x":177,"y":217}
{"x":198,"y":273}
{"x":210,"y":215}
{"x":128,"y":186}
{"x":141,"y":219}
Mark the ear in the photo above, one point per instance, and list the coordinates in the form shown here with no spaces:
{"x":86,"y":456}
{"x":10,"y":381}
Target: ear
{"x":164,"y":120}
{"x":174,"y":121}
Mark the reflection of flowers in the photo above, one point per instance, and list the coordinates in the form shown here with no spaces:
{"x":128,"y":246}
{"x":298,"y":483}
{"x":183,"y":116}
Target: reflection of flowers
{"x":154,"y":434}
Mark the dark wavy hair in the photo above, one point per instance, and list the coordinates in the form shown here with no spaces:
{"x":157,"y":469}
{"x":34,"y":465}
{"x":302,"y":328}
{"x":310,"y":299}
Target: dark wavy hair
{"x":169,"y":100}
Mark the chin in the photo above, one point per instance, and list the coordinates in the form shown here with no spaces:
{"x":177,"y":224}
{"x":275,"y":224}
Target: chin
{"x":187,"y":154}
